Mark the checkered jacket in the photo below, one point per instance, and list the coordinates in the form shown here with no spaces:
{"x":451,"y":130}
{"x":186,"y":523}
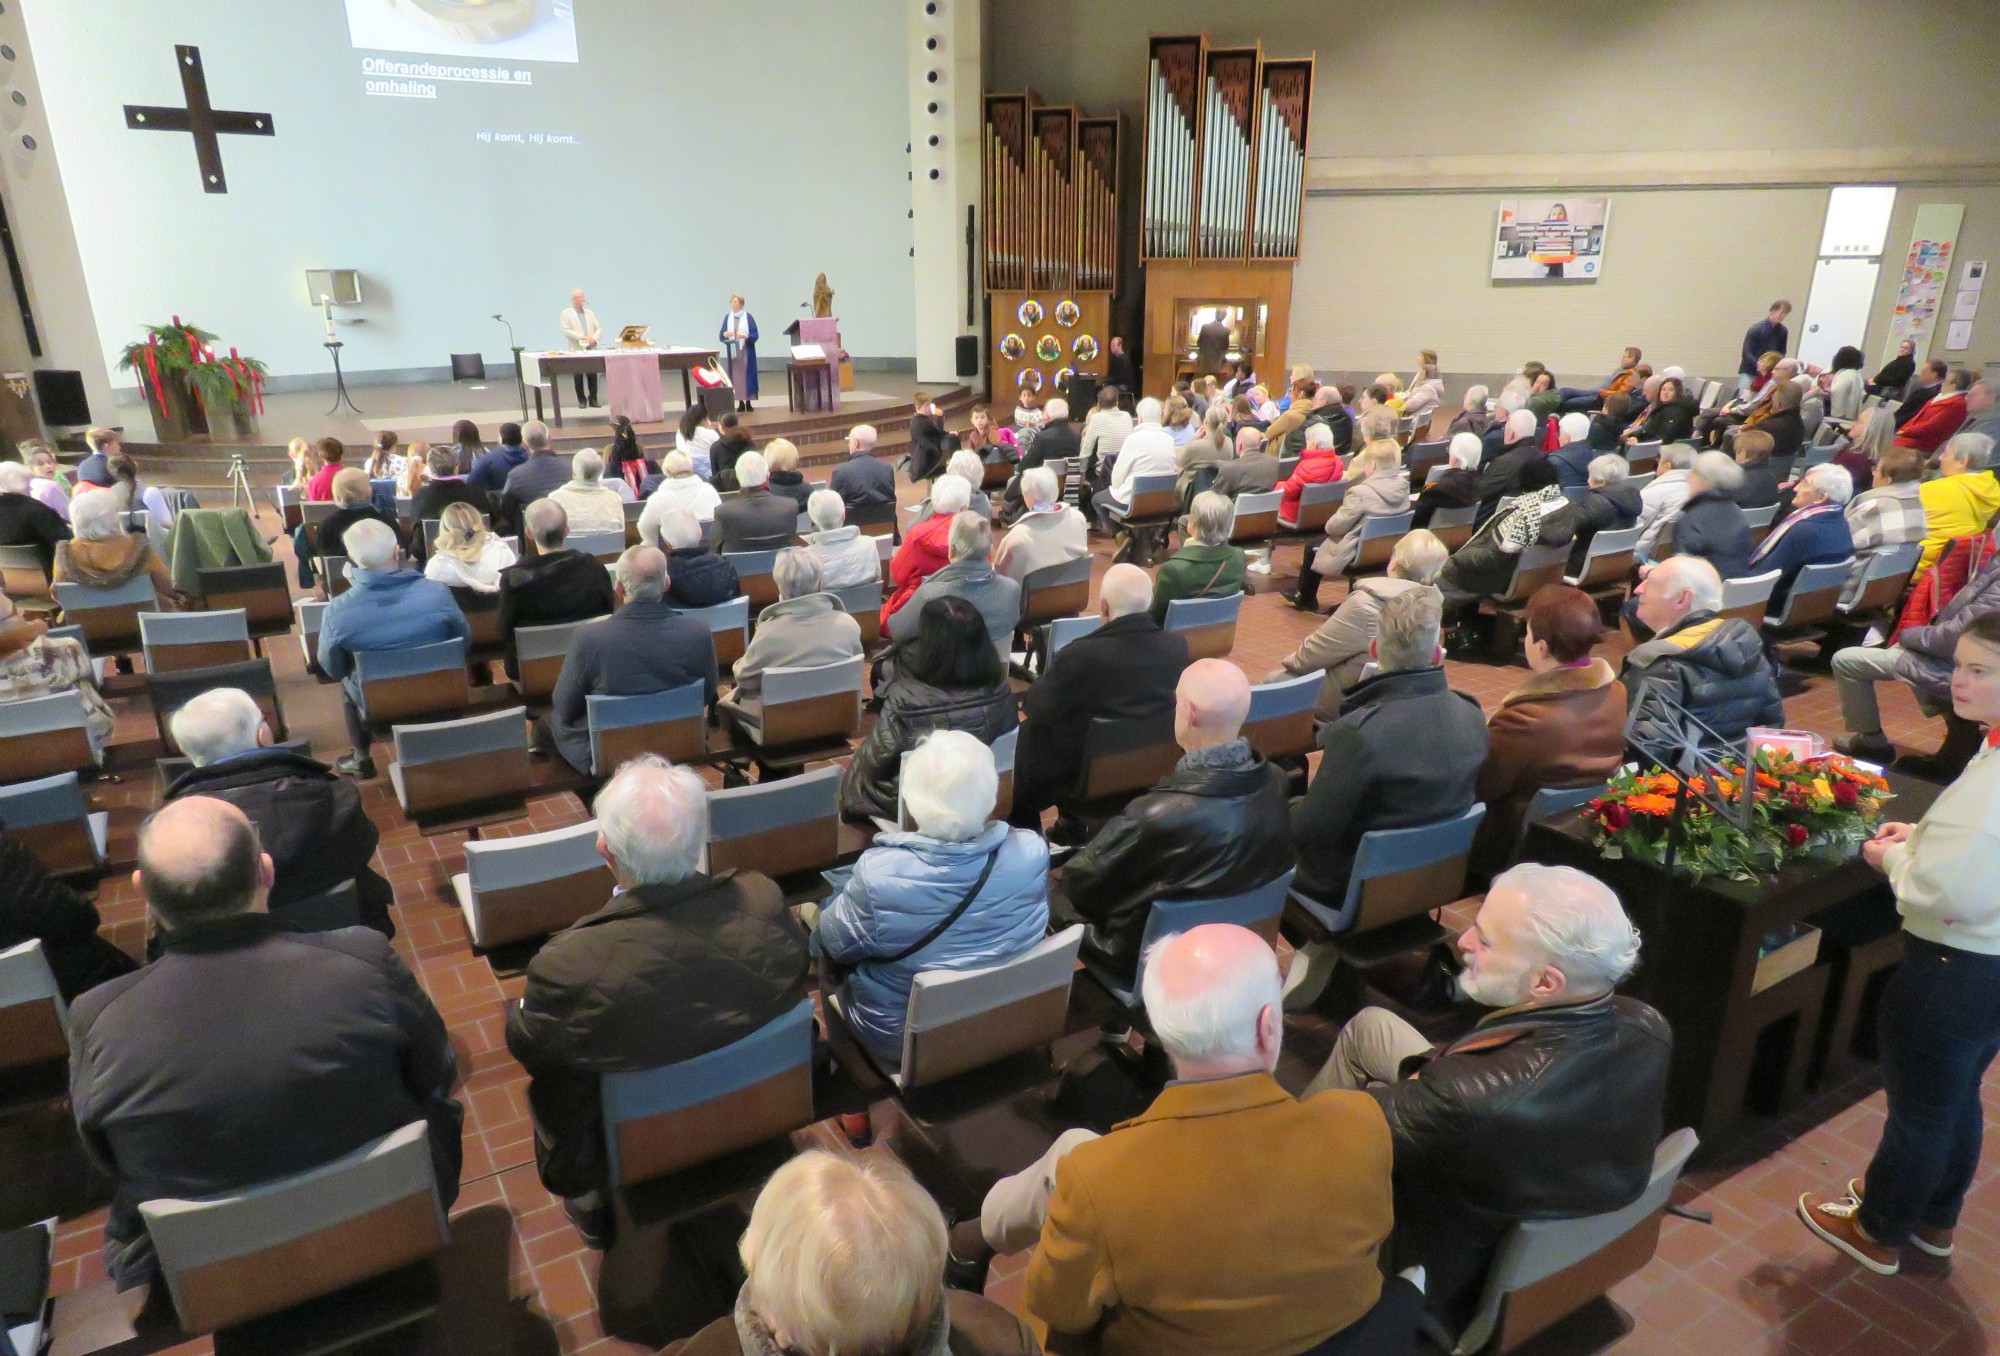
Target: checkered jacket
{"x":1887,"y":516}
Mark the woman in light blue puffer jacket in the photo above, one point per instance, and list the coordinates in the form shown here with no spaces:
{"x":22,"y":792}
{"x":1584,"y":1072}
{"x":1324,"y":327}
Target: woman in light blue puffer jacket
{"x":909,"y":883}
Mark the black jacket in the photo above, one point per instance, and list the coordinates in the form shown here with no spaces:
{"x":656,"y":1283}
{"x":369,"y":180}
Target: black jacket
{"x":755,"y":520}
{"x":1788,"y":434}
{"x":911,"y":709}
{"x":1406,"y":750}
{"x":1604,"y":432}
{"x":1711,"y":526}
{"x":1766,"y":336}
{"x":700,"y":579}
{"x":864,"y":478}
{"x":1204,"y":831}
{"x":27,"y":521}
{"x":792,"y":484}
{"x":1118,"y":372}
{"x":1057,"y":441}
{"x":554,"y":587}
{"x":1607,"y":509}
{"x":248,"y":1052}
{"x":931,"y":446}
{"x":433,"y":499}
{"x":639,"y":649}
{"x":35,"y":906}
{"x":1456,"y":488}
{"x":1665,"y":424}
{"x":722,"y":459}
{"x":310,"y":822}
{"x":328,"y":537}
{"x":533,"y":479}
{"x":658,"y":975}
{"x":1337,"y":421}
{"x":1717,"y":670}
{"x":1502,"y":475}
{"x":1127,"y":668}
{"x":1538,"y":1113}
{"x":1760,"y":484}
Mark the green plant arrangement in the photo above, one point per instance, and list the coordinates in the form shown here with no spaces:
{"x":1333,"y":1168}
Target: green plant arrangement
{"x":188,"y":388}
{"x":1823,"y":807}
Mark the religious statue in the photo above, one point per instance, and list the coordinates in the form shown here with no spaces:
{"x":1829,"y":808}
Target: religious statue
{"x":822,"y":297}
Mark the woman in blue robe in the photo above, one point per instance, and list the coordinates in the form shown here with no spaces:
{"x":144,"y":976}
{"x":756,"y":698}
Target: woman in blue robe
{"x":739,"y":347}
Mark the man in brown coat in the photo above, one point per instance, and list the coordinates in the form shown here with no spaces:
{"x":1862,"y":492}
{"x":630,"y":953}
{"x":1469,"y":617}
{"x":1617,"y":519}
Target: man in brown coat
{"x":1174,"y":1234}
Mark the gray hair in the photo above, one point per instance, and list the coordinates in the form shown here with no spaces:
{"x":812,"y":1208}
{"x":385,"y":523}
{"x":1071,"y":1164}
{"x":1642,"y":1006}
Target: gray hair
{"x":1835,"y":484}
{"x":1406,"y":636}
{"x":1693,"y":574}
{"x":653,"y":818}
{"x":752,"y":470}
{"x":796,"y":572}
{"x":442,"y":460}
{"x":1212,"y":517}
{"x":862,"y":436}
{"x":94,"y":516}
{"x":14,"y":478}
{"x":370,"y":543}
{"x":1573,"y":427}
{"x":1217,"y":1020}
{"x":641,"y":573}
{"x":1379,"y":422}
{"x":950,"y":494}
{"x":1678,"y":456}
{"x":1465,"y":451}
{"x":680,"y":529}
{"x":1576,"y":922}
{"x":547,"y":523}
{"x":971,"y":536}
{"x":587,"y":466}
{"x":1877,"y":435}
{"x":1319,"y":436}
{"x":1038,"y":486}
{"x":826,"y":509}
{"x":1057,"y":408}
{"x":967,"y":466}
{"x":218,"y":723}
{"x":1476,"y":397}
{"x":535,"y":436}
{"x":1522,"y":424}
{"x":1718,"y":471}
{"x":676,"y":463}
{"x":1418,"y":557}
{"x":1147,"y":411}
{"x":1609,"y":469}
{"x":949,"y":786}
{"x":1974,"y":449}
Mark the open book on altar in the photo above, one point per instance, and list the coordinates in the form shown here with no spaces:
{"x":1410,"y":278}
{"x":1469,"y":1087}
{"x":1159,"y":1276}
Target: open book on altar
{"x":808,"y":353}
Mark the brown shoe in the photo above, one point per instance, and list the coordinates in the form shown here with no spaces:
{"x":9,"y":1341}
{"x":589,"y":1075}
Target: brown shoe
{"x":1835,"y":1218}
{"x":1936,"y":1242}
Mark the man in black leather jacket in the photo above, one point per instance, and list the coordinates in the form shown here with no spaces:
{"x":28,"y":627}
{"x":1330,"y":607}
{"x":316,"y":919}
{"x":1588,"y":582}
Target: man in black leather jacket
{"x":1549,"y":1109}
{"x":1217,"y":825}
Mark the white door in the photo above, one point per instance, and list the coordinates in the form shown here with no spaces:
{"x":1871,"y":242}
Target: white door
{"x":1843,"y":290}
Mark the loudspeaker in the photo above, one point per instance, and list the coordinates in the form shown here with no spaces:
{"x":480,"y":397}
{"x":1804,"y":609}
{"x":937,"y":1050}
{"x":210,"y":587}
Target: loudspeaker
{"x":60,"y":394}
{"x":968,"y":355}
{"x":1082,"y":395}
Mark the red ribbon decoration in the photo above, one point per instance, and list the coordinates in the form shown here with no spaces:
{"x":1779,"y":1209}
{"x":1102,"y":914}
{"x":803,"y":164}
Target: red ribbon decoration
{"x":153,"y":369}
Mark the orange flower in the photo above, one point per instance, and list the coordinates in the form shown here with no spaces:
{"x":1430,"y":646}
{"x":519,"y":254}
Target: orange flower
{"x":1648,"y":804}
{"x":1768,"y":782}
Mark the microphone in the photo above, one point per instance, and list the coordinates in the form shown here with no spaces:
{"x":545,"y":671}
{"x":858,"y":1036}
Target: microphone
{"x":510,"y":330}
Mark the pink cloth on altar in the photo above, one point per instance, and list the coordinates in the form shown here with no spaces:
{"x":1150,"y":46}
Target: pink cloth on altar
{"x":632,"y":386}
{"x":824,"y":330}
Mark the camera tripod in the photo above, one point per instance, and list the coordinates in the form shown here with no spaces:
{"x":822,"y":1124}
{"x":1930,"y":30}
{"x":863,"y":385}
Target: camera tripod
{"x":239,"y":484}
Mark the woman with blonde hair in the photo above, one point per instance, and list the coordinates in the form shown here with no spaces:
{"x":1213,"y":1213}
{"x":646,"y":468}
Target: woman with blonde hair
{"x":1376,"y":487}
{"x":1425,"y":392}
{"x":847,"y":1255}
{"x":306,"y":463}
{"x":416,"y":470}
{"x":467,"y":554}
{"x":1180,"y":421}
{"x":781,"y":458}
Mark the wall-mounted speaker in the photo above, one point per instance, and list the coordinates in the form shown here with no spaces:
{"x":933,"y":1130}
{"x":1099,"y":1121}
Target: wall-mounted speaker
{"x":968,"y":355}
{"x":61,"y":396}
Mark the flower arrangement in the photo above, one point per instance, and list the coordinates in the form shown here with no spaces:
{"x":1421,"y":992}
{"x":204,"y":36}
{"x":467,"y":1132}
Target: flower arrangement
{"x":188,"y":388}
{"x":1819,"y":807}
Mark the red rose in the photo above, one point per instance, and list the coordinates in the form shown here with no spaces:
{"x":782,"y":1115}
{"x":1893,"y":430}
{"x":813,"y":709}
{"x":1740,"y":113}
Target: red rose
{"x":1615,"y":817}
{"x":1846,"y":795}
{"x":1796,"y":835}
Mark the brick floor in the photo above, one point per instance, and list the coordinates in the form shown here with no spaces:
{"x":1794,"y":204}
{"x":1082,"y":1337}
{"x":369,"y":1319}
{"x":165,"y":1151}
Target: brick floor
{"x":1753,"y":1281}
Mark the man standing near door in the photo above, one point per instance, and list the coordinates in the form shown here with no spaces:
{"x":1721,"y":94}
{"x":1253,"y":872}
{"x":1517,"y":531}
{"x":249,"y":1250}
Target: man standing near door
{"x":1768,"y":335}
{"x":580,"y":328}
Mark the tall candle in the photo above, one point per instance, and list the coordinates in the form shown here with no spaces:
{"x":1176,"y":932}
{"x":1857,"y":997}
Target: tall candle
{"x":326,"y":305}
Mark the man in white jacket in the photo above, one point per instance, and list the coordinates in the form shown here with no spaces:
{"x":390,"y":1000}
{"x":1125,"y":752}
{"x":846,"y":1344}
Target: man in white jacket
{"x":1148,"y":450}
{"x":581,"y":330}
{"x":1940,"y":1013}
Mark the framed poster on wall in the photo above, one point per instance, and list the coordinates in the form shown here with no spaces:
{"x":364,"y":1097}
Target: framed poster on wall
{"x":1550,"y":239}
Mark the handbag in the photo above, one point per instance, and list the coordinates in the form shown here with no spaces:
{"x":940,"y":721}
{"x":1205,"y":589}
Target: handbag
{"x":950,"y":918}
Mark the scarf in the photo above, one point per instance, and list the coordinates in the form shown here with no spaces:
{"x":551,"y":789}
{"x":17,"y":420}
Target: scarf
{"x":1235,"y":753}
{"x":737,"y":322}
{"x":1778,"y":535}
{"x":1522,"y":527}
{"x":756,"y":1338}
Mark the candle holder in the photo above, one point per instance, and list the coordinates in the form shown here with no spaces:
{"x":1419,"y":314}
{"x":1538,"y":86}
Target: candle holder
{"x":340,"y":392}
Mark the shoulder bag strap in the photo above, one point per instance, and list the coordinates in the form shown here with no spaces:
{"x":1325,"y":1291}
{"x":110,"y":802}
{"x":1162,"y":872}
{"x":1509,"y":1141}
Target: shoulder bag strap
{"x":949,"y":918}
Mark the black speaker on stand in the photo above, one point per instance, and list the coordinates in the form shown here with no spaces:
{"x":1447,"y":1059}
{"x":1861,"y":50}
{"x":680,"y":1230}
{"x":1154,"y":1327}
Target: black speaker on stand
{"x":61,"y":396}
{"x":1082,"y":395}
{"x":968,"y":355}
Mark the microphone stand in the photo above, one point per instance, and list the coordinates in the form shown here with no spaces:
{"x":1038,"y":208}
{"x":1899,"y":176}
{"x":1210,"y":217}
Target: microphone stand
{"x":520,"y":376}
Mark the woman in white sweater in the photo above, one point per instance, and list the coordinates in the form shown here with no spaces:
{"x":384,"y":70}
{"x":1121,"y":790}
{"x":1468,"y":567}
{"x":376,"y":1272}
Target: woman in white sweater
{"x":679,"y":488}
{"x":1940,"y":1013}
{"x":467,"y":555}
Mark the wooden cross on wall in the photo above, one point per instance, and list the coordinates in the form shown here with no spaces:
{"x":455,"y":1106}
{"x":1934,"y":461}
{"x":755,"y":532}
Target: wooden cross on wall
{"x":199,"y":118}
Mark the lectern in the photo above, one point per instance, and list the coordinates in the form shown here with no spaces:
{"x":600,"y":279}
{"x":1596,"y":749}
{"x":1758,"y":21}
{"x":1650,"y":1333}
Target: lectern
{"x":812,"y":382}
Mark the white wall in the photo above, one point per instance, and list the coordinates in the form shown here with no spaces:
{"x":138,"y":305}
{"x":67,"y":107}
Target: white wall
{"x":744,"y":146}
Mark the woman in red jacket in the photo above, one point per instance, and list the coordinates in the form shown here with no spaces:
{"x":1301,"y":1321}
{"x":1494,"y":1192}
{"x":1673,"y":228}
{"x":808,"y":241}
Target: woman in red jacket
{"x":926,"y":547}
{"x":1319,"y":464}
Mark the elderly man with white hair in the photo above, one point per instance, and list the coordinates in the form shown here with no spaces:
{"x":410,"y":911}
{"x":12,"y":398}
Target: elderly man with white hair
{"x":1050,"y":532}
{"x":1125,"y":670}
{"x":1148,"y":450}
{"x":1456,"y":485}
{"x":846,"y":555}
{"x":805,"y":628}
{"x":1573,"y":454}
{"x":554,"y":585}
{"x":1814,"y":533}
{"x":1160,"y":1237}
{"x":26,"y":520}
{"x":677,"y":964}
{"x":644,"y":647}
{"x":863,"y":478}
{"x":592,"y":505}
{"x":309,"y":821}
{"x":1608,"y":504}
{"x":1710,"y":523}
{"x":1056,"y":441}
{"x":388,"y":606}
{"x":756,"y":517}
{"x":970,"y":576}
{"x":1713,"y":666}
{"x":535,"y":478}
{"x":1550,"y":1108}
{"x":1500,"y":468}
{"x":697,"y":577}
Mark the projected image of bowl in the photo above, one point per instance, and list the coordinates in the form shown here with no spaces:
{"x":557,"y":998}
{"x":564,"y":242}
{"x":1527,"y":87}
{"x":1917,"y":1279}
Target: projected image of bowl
{"x":1011,"y":348}
{"x":1030,"y":379}
{"x":1085,"y":348}
{"x":1049,"y":349}
{"x":1068,"y":313}
{"x":1030,"y":313}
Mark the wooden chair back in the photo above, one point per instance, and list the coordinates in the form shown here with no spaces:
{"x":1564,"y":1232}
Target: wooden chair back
{"x":753,"y":575}
{"x":1061,"y":590}
{"x":451,"y":764}
{"x":539,"y":652}
{"x":109,"y":617}
{"x":514,"y":889}
{"x":259,"y":590}
{"x":959,"y":1020}
{"x":409,"y":684}
{"x":819,"y":702}
{"x":1126,"y":757}
{"x":194,"y":640}
{"x":52,"y":820}
{"x":43,"y":736}
{"x":1280,"y":723}
{"x":1748,"y":596}
{"x":1209,"y":624}
{"x":168,"y":692}
{"x":1610,"y":559}
{"x":672,"y":724}
{"x":728,"y":627}
{"x":34,"y":1022}
{"x":779,"y":828}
